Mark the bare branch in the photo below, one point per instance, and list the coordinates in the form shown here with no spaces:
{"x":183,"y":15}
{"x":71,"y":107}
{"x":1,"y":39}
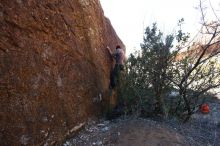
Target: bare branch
{"x":203,"y":15}
{"x":213,"y":11}
{"x":211,"y":56}
{"x":199,"y":59}
{"x":207,"y":89}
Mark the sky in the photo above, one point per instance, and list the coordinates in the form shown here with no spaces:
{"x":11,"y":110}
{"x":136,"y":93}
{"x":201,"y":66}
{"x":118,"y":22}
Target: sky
{"x":130,"y":17}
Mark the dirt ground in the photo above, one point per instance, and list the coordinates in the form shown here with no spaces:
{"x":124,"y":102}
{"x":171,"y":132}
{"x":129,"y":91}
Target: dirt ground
{"x":140,"y":132}
{"x":201,"y":130}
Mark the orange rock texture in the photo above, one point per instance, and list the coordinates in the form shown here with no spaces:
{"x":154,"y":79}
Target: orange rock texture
{"x":54,"y":68}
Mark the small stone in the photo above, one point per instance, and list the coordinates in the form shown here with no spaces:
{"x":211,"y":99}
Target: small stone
{"x":99,"y":143}
{"x":67,"y":143}
{"x":45,"y":119}
{"x":24,"y":139}
{"x":105,"y":129}
{"x":100,"y":125}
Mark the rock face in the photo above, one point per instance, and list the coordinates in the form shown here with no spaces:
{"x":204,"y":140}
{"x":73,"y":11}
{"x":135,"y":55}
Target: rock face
{"x":54,"y":68}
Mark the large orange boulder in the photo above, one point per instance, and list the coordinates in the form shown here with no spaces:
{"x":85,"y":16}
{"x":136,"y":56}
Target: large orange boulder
{"x":54,"y":68}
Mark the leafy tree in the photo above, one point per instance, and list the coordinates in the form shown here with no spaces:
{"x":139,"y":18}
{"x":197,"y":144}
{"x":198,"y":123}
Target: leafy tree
{"x":145,"y":84}
{"x":155,"y":58}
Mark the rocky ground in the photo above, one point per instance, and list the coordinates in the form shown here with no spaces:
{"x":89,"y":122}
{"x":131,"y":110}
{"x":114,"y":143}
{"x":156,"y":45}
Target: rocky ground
{"x":201,"y":130}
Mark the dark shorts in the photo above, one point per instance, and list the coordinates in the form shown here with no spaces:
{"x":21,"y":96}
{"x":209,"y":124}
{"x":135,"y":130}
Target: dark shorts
{"x":115,"y":75}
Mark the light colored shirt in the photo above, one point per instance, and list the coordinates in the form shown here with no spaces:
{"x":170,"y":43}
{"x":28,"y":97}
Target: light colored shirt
{"x":119,"y":56}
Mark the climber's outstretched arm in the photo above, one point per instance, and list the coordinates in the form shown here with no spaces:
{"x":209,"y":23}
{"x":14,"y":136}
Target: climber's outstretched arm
{"x":109,"y":50}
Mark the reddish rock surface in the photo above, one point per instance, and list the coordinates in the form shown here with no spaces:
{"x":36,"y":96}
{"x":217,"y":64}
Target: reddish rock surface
{"x":54,"y":68}
{"x":197,"y":51}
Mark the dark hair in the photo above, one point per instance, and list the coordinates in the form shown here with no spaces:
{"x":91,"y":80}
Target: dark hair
{"x":118,"y":46}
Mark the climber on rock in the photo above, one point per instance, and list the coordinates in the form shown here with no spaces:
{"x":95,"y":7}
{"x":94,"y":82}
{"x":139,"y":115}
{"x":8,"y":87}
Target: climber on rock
{"x":119,"y":57}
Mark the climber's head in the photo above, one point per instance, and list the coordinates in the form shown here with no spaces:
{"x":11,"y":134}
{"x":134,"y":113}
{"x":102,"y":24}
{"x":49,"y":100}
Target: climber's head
{"x":118,"y":47}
